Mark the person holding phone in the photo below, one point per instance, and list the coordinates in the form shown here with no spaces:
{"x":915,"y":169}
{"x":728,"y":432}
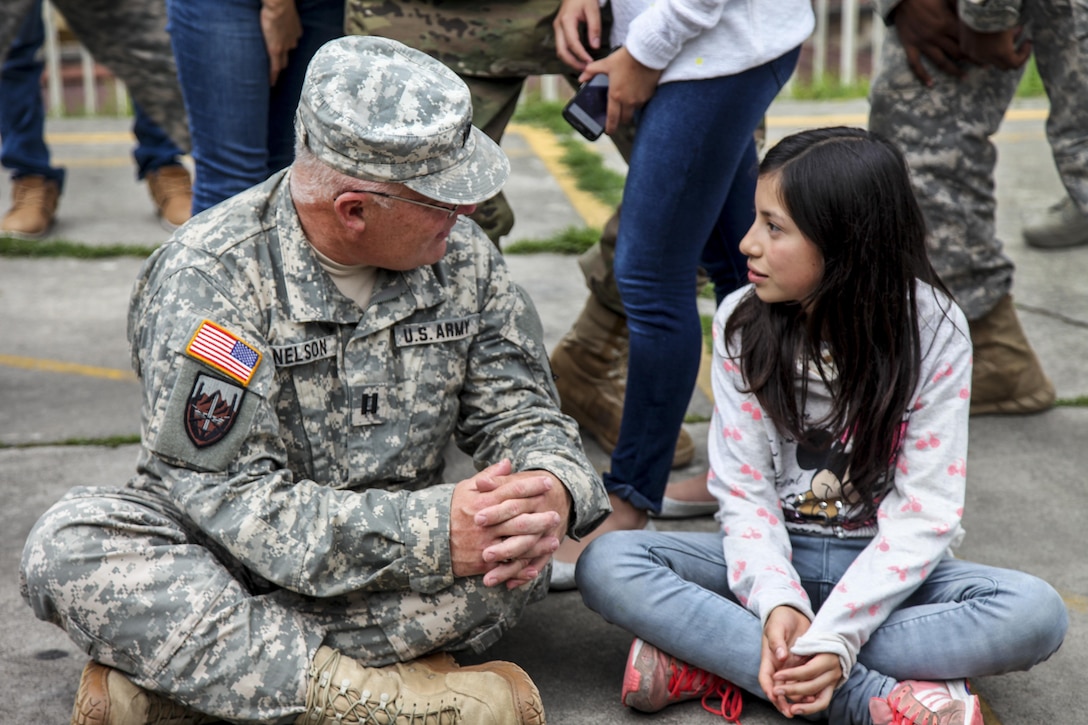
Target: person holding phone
{"x":697,"y":78}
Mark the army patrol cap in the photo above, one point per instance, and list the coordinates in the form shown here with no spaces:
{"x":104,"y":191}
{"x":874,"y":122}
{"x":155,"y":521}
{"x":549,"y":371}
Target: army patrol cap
{"x":375,"y":109}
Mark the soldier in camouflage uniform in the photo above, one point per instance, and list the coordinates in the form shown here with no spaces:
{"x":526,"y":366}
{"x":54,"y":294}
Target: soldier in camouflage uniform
{"x":127,"y":36}
{"x":494,"y":47}
{"x":941,"y":109}
{"x":307,"y":349}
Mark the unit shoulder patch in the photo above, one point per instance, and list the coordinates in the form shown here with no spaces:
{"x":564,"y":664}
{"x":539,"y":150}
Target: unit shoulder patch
{"x":211,"y":409}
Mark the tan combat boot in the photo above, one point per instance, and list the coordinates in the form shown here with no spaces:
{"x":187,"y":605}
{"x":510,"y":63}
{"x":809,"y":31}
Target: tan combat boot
{"x":107,"y":697}
{"x":1007,"y":376}
{"x":590,"y":365}
{"x":431,"y":691}
{"x":34,"y":202}
{"x":171,"y":191}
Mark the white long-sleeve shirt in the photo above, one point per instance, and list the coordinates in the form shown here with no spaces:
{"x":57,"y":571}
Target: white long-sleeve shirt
{"x":695,"y":39}
{"x":769,"y":486}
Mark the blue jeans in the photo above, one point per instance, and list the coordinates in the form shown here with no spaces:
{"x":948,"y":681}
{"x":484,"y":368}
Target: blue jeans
{"x":242,"y":127}
{"x":22,"y":114}
{"x":688,"y":200}
{"x":966,"y":620}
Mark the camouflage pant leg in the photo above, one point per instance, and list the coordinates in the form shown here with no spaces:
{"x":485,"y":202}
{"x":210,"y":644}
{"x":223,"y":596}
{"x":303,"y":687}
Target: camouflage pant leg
{"x":944,"y":132}
{"x":494,"y":101}
{"x":136,"y":590}
{"x":1060,"y":33}
{"x":12,"y":15}
{"x":129,"y":37}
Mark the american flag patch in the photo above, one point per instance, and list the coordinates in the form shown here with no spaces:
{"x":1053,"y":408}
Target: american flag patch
{"x":224,"y":352}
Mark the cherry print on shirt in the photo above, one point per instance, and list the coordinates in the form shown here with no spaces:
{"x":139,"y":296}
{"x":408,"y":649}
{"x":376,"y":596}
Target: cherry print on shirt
{"x":931,"y":442}
{"x":752,"y":410}
{"x":749,"y":471}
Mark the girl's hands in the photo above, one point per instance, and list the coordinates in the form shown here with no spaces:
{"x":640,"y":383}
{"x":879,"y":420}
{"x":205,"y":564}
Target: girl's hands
{"x":807,"y":688}
{"x":630,"y":85}
{"x":795,"y":685}
{"x":568,"y":42}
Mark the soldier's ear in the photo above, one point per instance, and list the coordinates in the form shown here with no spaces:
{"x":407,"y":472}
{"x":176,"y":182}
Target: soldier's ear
{"x":350,"y":211}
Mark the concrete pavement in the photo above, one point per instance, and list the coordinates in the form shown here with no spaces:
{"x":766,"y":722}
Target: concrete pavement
{"x":64,"y":374}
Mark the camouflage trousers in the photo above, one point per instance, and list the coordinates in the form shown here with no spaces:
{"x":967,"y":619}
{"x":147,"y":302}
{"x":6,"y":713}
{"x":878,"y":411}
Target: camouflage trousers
{"x":138,"y":590}
{"x":127,"y":36}
{"x":945,"y":133}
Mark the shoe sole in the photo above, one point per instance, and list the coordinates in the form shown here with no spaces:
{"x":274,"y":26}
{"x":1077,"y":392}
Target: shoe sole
{"x":92,"y":705}
{"x":1038,"y":402}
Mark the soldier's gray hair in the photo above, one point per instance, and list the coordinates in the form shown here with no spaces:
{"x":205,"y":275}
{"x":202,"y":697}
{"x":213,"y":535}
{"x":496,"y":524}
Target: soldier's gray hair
{"x":314,"y":181}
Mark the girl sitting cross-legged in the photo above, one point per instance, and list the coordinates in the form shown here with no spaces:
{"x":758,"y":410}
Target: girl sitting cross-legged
{"x":838,"y":455}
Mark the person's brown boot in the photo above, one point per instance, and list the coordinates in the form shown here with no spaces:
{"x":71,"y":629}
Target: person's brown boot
{"x":429,"y":690}
{"x":107,"y":697}
{"x":1007,"y":376}
{"x":34,"y":202}
{"x":171,"y":190}
{"x":590,"y":367}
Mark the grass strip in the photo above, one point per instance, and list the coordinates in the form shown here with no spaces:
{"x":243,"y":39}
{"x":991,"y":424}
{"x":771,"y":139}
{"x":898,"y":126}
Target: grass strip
{"x":54,"y":248}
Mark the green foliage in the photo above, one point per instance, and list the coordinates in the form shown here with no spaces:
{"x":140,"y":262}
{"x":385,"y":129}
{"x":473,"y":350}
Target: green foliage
{"x":584,"y":164}
{"x":107,"y":442}
{"x":571,"y":240}
{"x":12,"y":247}
{"x":544,"y":114}
{"x":1031,"y":85}
{"x":827,"y":87}
{"x":590,"y":174}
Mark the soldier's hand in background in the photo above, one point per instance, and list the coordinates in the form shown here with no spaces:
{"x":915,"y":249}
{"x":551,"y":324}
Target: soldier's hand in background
{"x":506,"y":525}
{"x":568,"y":23}
{"x":930,"y":29}
{"x":1005,"y":50}
{"x":281,"y":28}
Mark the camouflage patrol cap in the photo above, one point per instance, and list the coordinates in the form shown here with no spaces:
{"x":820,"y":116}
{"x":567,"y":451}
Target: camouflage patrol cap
{"x":376,"y":109}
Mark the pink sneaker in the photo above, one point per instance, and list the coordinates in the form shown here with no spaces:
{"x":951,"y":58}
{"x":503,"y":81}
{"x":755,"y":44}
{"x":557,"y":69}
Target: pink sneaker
{"x":916,"y":702}
{"x":653,"y":680}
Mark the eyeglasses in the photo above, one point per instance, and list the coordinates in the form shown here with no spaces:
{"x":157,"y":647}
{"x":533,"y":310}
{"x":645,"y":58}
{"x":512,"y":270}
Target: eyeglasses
{"x":448,"y":210}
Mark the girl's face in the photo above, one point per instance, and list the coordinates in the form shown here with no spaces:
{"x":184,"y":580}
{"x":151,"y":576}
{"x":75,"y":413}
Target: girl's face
{"x":783,"y":264}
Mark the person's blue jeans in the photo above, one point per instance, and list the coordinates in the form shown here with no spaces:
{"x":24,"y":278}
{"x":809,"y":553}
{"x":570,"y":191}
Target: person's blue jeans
{"x":22,"y":114}
{"x":689,"y":198}
{"x":242,"y":128}
{"x":22,"y":111}
{"x":966,"y":620}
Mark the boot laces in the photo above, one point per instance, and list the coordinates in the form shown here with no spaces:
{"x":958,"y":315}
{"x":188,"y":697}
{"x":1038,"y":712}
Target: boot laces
{"x":328,"y":704}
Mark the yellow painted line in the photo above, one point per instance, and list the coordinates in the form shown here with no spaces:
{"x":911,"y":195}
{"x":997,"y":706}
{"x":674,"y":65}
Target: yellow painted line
{"x":860,"y":119}
{"x":67,"y":368}
{"x":1076,"y":603}
{"x":96,"y":163}
{"x":72,"y":138}
{"x":543,"y":143}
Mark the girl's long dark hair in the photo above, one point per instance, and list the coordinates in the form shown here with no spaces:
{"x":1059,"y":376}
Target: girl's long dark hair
{"x":848,"y":191}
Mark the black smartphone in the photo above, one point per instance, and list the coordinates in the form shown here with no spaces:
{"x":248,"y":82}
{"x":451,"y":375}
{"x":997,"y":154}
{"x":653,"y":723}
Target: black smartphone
{"x":587,"y":111}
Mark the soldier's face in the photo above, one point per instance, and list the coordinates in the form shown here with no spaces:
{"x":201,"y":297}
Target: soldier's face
{"x":402,"y":231}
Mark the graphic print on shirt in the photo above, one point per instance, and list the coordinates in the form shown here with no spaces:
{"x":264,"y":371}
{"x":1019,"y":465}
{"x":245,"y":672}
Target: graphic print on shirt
{"x":826,"y":501}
